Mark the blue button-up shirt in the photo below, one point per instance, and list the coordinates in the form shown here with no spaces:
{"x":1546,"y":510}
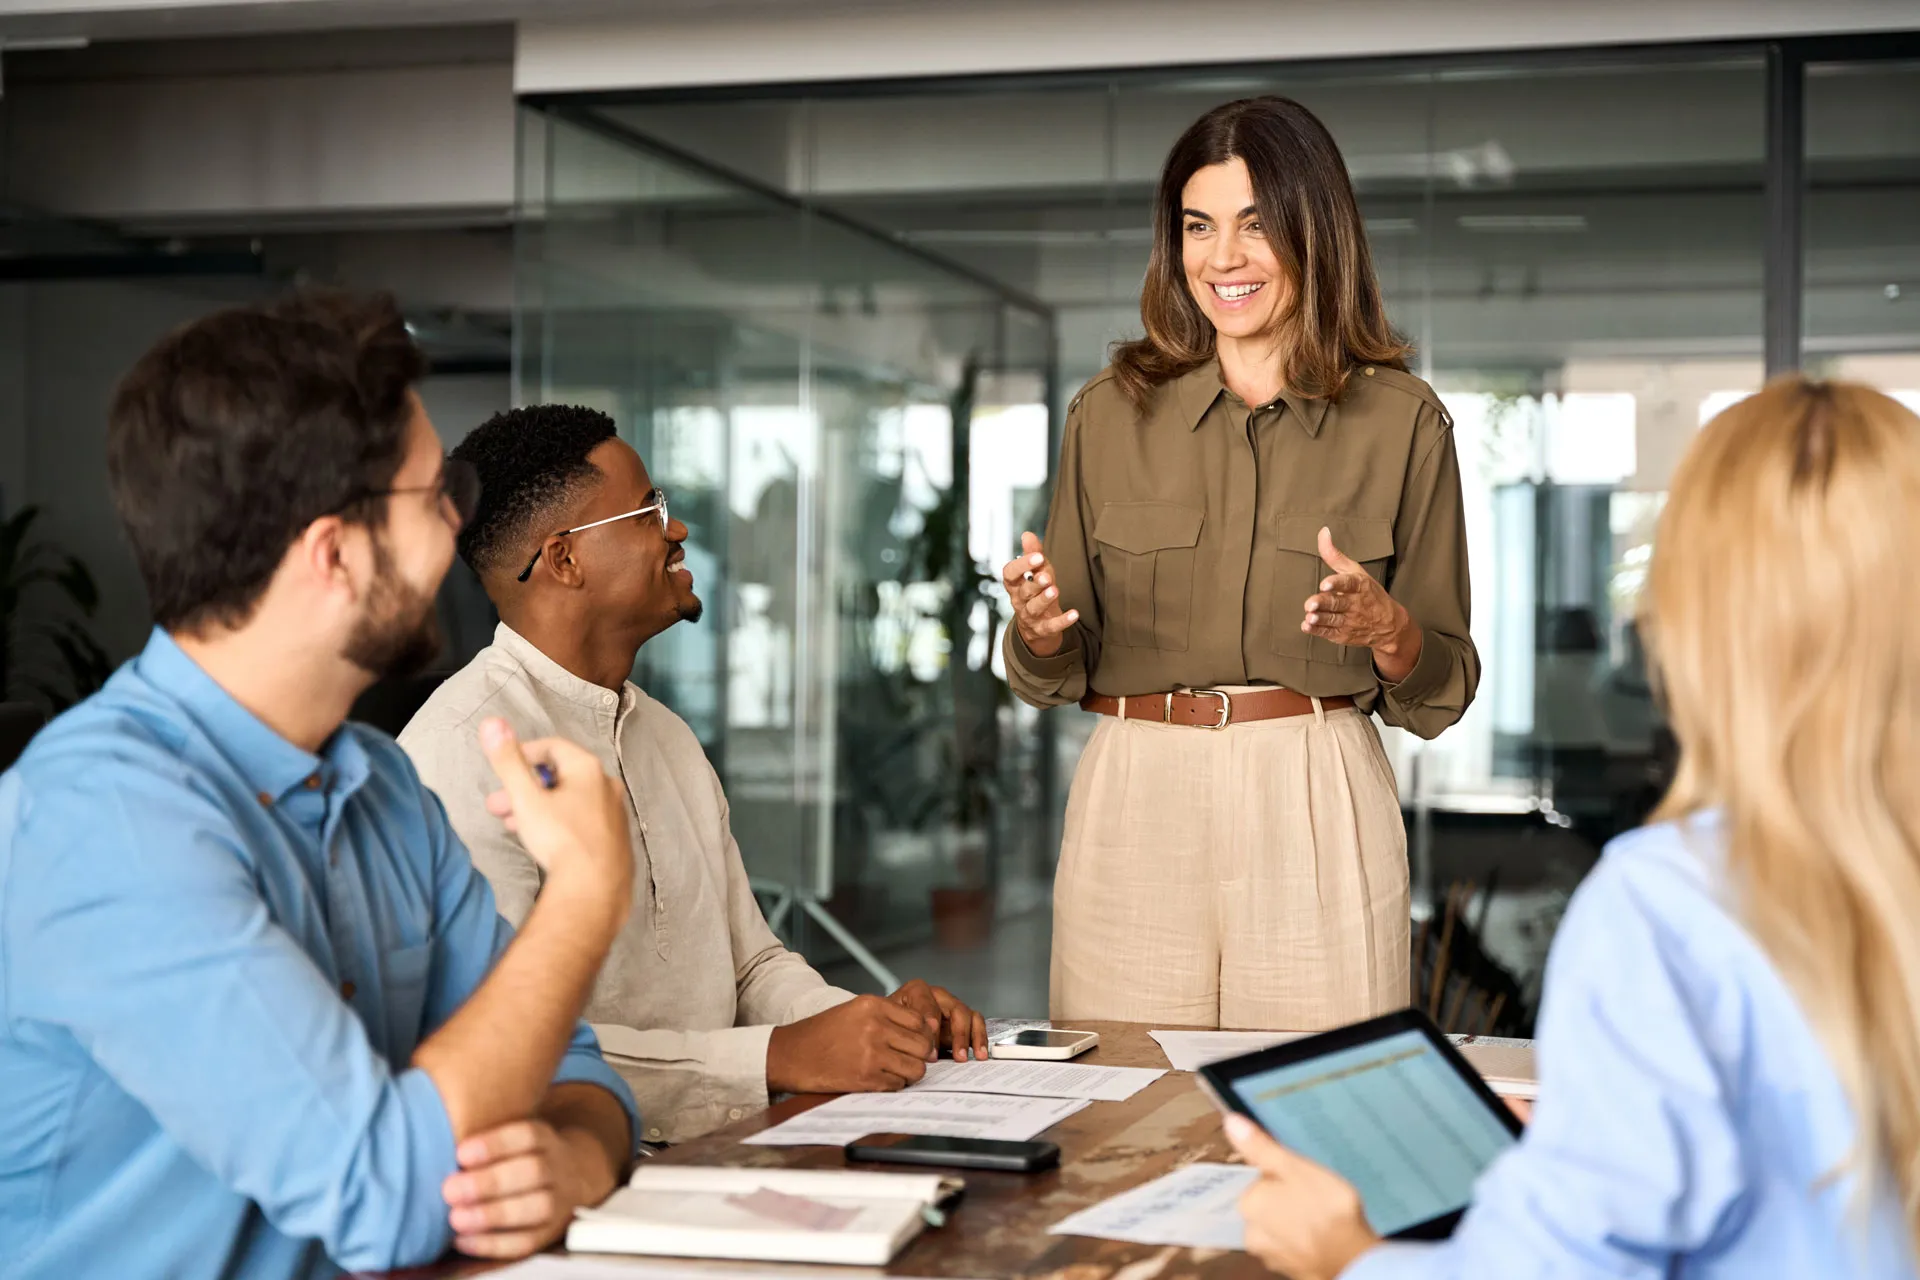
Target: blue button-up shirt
{"x":218,"y":953}
{"x":1688,"y":1122}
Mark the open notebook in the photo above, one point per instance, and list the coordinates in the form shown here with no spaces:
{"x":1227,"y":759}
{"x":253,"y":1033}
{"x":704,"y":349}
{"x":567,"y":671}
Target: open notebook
{"x":768,"y":1215}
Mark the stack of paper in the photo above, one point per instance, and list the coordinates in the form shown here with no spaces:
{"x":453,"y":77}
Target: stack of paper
{"x":948,"y":1115}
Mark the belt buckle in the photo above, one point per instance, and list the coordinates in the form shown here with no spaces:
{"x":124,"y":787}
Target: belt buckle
{"x":1226,"y":707}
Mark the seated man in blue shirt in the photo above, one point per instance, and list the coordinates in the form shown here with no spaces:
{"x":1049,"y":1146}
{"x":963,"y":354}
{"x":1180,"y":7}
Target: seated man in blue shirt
{"x":257,"y":1009}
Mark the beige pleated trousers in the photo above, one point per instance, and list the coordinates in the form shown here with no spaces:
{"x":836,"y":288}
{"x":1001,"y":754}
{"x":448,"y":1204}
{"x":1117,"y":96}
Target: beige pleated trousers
{"x":1254,"y":877}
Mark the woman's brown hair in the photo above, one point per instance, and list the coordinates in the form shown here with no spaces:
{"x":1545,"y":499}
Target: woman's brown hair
{"x":1334,"y":319}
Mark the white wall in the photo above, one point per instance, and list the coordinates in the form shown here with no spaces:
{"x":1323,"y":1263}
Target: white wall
{"x":729,"y":44}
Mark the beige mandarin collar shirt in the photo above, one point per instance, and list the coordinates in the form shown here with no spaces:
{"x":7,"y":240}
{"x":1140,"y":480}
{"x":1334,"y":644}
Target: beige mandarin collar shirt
{"x":1186,"y":536}
{"x":696,"y":980}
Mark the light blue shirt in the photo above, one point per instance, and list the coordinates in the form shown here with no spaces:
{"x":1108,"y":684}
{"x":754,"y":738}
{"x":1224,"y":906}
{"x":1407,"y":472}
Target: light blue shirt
{"x":217,"y":955}
{"x":1688,"y":1119}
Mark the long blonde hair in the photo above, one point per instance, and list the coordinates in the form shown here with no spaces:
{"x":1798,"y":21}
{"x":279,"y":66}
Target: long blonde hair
{"x":1784,"y":619}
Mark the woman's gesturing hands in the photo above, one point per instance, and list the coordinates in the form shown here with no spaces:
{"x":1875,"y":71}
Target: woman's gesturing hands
{"x":1352,"y":609}
{"x":1035,"y":594}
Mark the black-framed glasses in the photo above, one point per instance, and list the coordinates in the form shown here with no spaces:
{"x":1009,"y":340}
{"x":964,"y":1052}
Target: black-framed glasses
{"x":658,"y":505}
{"x":458,"y":488}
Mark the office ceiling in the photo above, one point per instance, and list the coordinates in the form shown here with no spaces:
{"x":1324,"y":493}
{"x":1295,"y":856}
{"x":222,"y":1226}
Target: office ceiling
{"x":40,"y":20}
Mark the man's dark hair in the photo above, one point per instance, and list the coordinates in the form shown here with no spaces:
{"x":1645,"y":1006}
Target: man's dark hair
{"x":237,"y":431}
{"x":531,"y":461}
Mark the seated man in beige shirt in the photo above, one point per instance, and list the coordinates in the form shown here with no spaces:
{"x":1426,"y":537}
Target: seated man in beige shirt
{"x":699,"y":1007}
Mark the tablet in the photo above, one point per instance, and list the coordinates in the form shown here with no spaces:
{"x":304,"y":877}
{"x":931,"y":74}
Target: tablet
{"x":1388,"y":1104}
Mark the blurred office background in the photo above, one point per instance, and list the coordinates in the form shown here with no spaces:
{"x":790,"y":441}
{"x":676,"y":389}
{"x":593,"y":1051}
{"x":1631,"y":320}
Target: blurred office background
{"x":836,"y":269}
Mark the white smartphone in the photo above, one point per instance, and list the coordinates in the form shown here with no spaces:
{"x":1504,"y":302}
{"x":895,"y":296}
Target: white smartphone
{"x":1042,"y":1042}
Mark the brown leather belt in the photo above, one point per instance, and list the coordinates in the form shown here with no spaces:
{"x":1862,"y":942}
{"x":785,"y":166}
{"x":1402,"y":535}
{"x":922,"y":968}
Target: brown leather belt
{"x":1210,"y":708}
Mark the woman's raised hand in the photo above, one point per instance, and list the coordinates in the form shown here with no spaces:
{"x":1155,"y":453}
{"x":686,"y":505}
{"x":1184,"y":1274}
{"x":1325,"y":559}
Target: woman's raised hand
{"x":1035,"y":593}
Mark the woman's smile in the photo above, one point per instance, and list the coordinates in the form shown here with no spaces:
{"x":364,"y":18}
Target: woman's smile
{"x":1235,"y":295}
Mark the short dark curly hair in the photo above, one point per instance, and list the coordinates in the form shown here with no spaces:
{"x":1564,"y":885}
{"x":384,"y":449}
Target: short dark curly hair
{"x":531,"y":461}
{"x":237,"y":431}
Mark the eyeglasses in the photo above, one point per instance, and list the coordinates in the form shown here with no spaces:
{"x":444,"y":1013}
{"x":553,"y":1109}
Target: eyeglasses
{"x":657,"y":506}
{"x":458,"y":489}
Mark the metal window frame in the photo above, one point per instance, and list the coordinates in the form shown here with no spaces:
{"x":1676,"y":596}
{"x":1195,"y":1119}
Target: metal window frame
{"x":1783,"y":248}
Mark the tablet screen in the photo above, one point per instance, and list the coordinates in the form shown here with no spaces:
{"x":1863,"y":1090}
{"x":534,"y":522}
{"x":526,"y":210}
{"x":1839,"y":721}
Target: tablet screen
{"x":1391,"y":1116}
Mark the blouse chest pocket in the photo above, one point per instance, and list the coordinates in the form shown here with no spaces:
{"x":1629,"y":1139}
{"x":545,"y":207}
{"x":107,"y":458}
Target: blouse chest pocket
{"x":1299,"y":571}
{"x":1147,"y":552}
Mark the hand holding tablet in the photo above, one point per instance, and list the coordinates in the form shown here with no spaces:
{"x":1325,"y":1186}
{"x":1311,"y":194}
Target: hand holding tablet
{"x":1387,"y":1105}
{"x":1302,"y":1219}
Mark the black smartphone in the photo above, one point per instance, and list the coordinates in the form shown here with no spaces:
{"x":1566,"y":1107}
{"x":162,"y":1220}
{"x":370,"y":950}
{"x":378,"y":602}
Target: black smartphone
{"x":955,"y":1153}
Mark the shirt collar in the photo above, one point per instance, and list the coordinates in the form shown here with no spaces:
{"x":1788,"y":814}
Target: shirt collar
{"x":1194,"y":393}
{"x":550,"y":675}
{"x":270,"y":765}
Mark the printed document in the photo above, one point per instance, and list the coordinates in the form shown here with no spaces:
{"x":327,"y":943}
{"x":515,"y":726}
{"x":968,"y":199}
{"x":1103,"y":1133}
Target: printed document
{"x":1036,"y":1079}
{"x":946,"y":1115}
{"x":1192,"y":1050}
{"x":1197,"y":1206}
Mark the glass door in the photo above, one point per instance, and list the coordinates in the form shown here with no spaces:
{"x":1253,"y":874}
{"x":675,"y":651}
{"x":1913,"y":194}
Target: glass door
{"x":854,"y":434}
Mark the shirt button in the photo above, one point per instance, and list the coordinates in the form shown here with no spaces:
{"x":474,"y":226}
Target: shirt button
{"x":312,"y":783}
{"x":1368,"y":371}
{"x":346,"y":990}
{"x":266,"y":801}
{"x":735,"y":1114}
{"x":608,"y":698}
{"x":653,"y":1135}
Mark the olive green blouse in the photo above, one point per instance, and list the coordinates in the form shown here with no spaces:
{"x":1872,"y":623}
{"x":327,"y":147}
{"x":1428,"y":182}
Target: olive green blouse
{"x":1186,"y":538}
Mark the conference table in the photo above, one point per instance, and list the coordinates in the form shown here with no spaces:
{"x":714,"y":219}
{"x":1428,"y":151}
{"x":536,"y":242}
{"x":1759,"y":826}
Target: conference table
{"x":1000,"y":1226}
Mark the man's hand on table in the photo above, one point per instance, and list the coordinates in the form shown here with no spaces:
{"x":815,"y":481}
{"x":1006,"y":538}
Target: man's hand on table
{"x":957,"y":1027}
{"x":519,"y":1185}
{"x":867,"y":1045}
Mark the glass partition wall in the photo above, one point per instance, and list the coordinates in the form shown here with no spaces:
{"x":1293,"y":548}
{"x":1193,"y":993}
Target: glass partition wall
{"x":850,"y":428}
{"x":1585,"y":249}
{"x":1862,"y":313}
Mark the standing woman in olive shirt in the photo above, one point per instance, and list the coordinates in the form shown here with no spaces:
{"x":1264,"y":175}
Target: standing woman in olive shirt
{"x":1256,"y":542}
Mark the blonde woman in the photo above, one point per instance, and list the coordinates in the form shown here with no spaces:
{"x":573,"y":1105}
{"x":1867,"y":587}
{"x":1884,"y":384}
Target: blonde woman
{"x":1730,"y":1042}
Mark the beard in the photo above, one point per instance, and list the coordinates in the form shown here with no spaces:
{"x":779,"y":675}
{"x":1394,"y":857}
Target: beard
{"x":399,"y":634}
{"x":691,"y":609}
